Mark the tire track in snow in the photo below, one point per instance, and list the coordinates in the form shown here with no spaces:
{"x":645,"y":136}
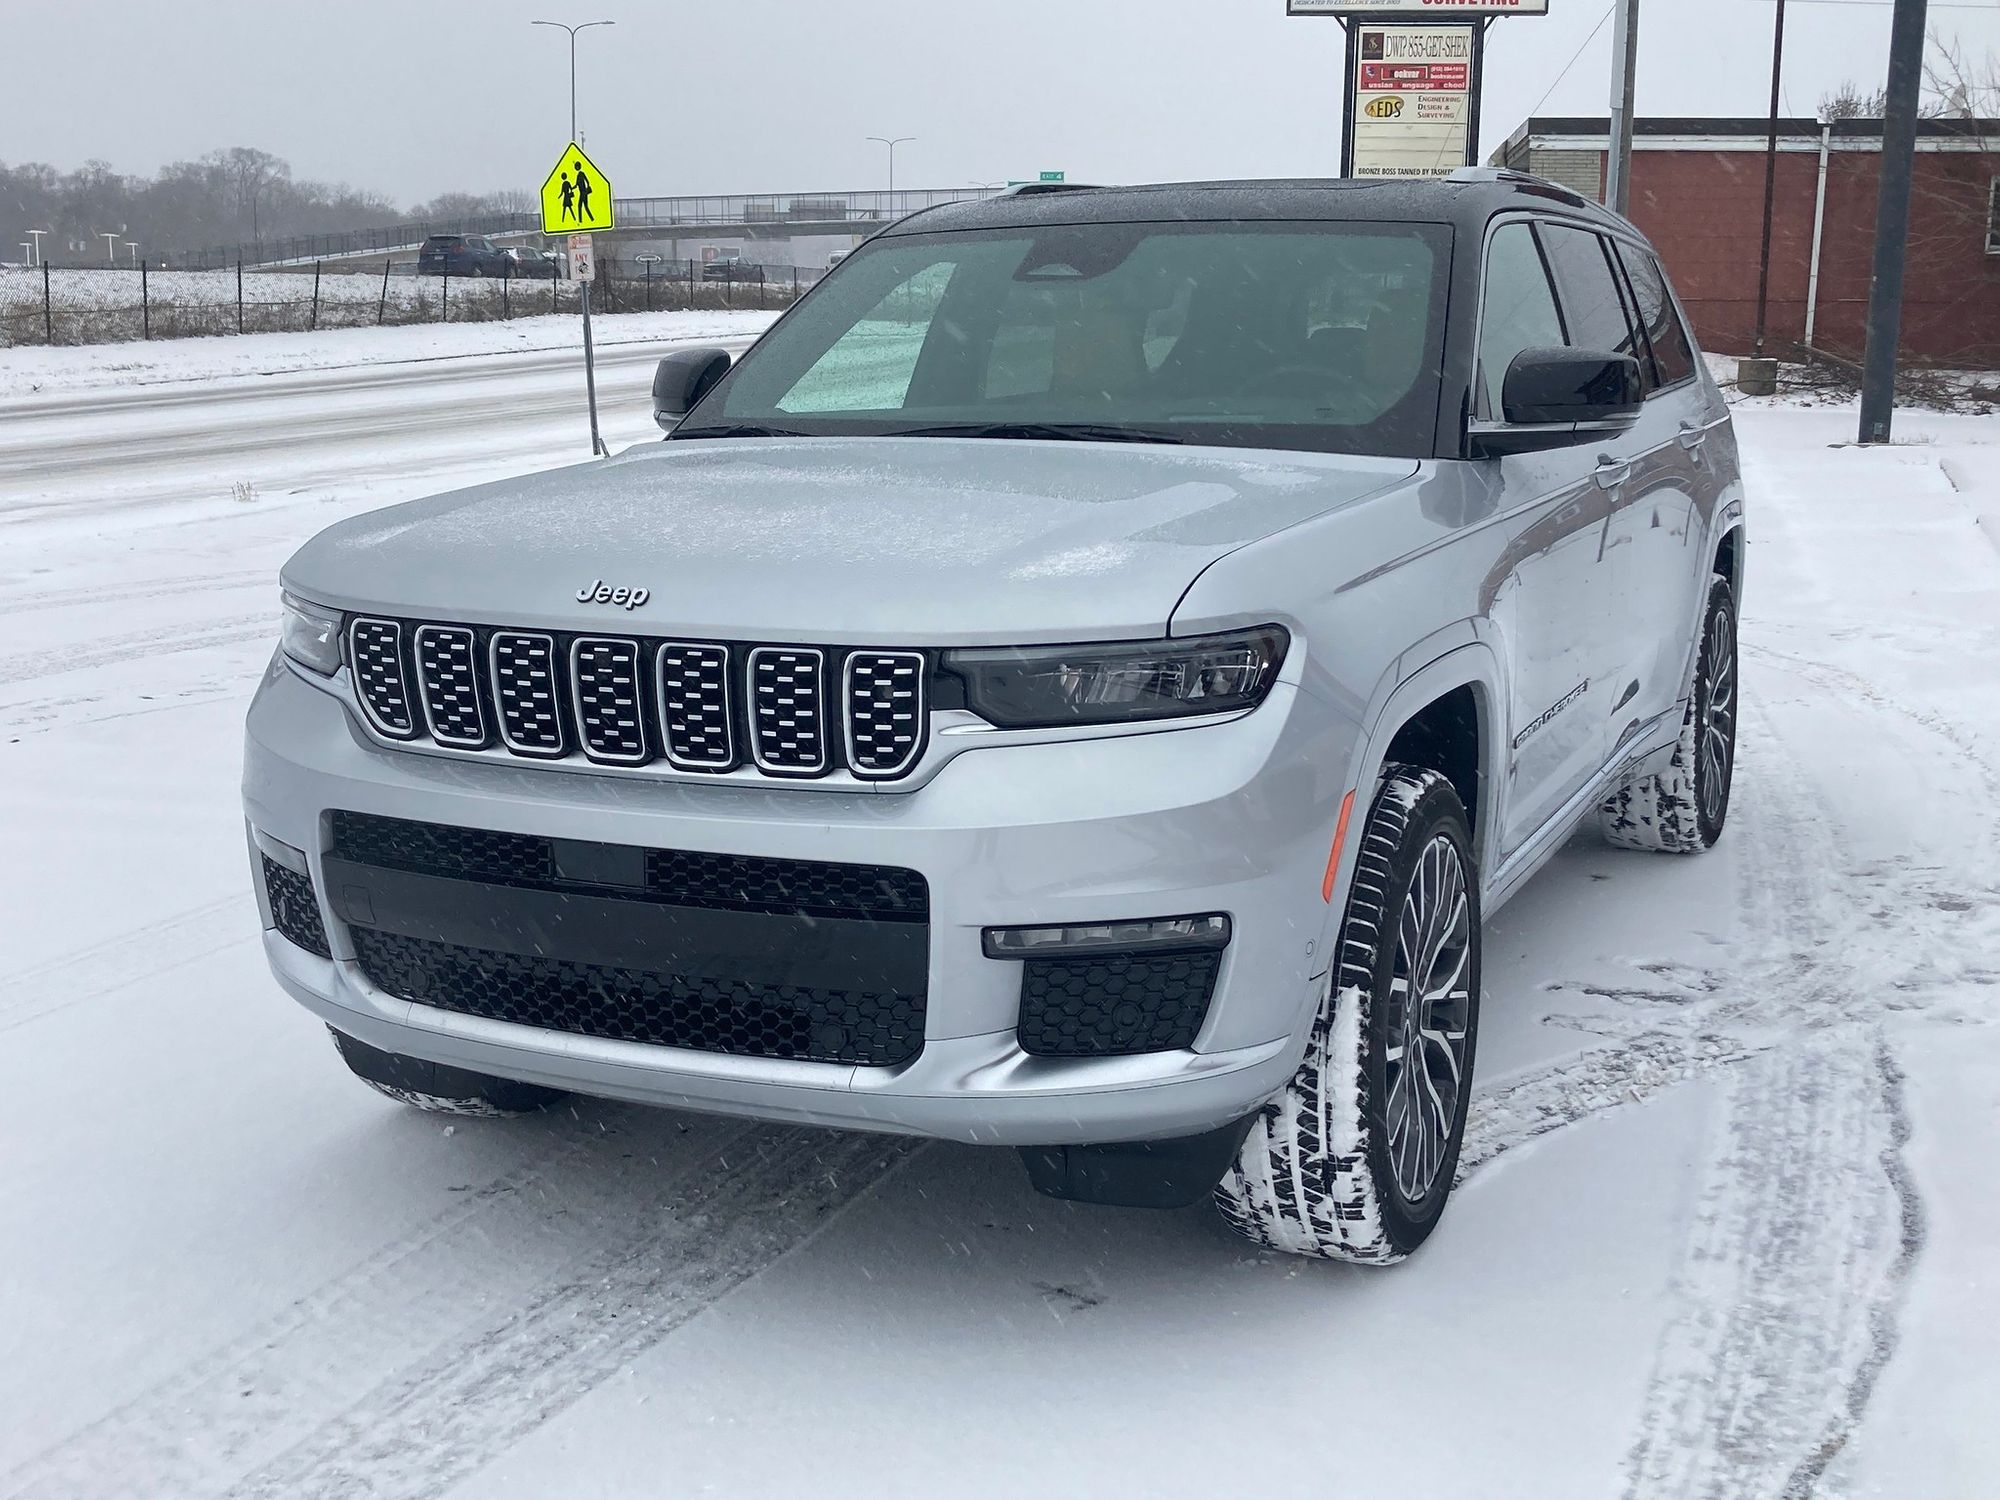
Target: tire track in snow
{"x":430,"y":1358}
{"x":123,"y":594}
{"x":1807,"y":1222}
{"x":115,"y":963}
{"x":84,"y":656}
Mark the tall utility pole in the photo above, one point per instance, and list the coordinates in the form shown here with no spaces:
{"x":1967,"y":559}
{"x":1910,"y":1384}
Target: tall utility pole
{"x":572,"y":30}
{"x":110,"y":247}
{"x":1892,"y":219}
{"x":1770,"y":180}
{"x":892,"y":143}
{"x":1624,"y":87}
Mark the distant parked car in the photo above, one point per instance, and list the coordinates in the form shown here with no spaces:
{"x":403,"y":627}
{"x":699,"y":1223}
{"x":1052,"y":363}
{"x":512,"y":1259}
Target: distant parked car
{"x":527,"y":260}
{"x":731,"y":267}
{"x":461,"y":255}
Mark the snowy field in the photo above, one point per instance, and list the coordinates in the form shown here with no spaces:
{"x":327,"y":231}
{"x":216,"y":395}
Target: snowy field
{"x":1731,"y":1198}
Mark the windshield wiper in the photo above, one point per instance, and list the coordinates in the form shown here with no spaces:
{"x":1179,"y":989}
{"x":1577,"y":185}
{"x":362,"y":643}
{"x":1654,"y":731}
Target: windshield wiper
{"x":1073,"y":432}
{"x":737,"y":429}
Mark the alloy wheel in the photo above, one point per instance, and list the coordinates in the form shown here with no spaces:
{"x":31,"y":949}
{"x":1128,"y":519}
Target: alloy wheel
{"x":1430,"y":1002}
{"x":1718,"y":718}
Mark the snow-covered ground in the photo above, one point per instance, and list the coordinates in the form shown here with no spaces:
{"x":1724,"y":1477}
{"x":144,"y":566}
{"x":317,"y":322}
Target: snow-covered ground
{"x":1731,"y":1198}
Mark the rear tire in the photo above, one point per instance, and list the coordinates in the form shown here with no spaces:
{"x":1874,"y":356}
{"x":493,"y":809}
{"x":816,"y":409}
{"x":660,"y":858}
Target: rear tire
{"x":438,"y":1089}
{"x":1683,"y":809}
{"x":1354,"y":1160}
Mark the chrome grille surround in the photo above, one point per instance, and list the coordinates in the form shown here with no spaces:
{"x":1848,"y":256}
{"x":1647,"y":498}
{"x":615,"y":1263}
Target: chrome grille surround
{"x":695,"y":715}
{"x":787,"y":709}
{"x":375,"y":648}
{"x":523,"y":665}
{"x":605,"y":692}
{"x":883,"y":713}
{"x":448,"y":685}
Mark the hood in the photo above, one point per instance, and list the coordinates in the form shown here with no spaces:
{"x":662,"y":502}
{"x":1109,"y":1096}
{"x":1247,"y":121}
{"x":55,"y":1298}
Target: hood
{"x":851,"y":541}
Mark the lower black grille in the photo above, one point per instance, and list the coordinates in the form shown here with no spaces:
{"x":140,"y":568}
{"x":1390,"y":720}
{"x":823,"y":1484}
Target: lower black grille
{"x":1115,"y":1004}
{"x":295,"y":908}
{"x":706,"y":1015}
{"x":757,"y":957}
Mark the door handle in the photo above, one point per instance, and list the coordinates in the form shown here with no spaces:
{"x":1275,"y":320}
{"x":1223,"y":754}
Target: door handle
{"x":1693,"y":435}
{"x":1611,"y":472}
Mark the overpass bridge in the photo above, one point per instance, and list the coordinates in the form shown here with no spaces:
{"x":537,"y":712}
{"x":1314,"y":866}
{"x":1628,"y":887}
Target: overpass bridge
{"x":739,"y":216}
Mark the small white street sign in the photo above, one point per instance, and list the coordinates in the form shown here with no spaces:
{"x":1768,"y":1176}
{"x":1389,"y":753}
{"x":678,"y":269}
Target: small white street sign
{"x":582,"y":259}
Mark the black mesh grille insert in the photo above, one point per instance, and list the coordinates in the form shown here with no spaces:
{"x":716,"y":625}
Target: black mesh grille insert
{"x":605,"y":677}
{"x":885,"y":711}
{"x":735,"y":882}
{"x":524,"y":691}
{"x":449,"y":680}
{"x":294,"y":907}
{"x":787,"y":716}
{"x":784,"y":1021}
{"x":1114,"y":1004}
{"x":376,"y":649}
{"x":694,"y":706}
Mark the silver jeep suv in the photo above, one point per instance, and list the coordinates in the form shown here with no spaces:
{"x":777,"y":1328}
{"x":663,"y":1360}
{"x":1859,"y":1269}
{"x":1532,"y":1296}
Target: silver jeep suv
{"x":1077,"y":683}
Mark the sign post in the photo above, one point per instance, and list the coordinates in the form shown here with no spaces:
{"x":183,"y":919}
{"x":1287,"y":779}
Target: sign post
{"x":576,"y":201}
{"x":1413,"y":75}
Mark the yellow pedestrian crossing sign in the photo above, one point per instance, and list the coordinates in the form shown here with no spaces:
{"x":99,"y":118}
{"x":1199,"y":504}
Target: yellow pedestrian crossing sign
{"x":577,"y":197}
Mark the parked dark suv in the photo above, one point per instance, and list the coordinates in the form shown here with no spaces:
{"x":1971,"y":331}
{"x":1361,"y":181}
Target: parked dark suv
{"x":461,"y":255}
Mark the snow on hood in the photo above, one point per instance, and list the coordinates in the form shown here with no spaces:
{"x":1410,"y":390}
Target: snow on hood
{"x":857,"y":541}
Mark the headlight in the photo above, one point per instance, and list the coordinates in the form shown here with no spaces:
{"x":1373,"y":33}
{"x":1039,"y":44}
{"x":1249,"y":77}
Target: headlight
{"x":1033,"y":687}
{"x":310,"y":635}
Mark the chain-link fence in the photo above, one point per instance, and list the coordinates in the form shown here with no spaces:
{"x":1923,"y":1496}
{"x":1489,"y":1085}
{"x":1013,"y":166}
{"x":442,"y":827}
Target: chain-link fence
{"x":102,"y":304}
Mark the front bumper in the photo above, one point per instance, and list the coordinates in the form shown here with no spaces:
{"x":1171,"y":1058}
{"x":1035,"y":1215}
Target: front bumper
{"x":1225,"y":818}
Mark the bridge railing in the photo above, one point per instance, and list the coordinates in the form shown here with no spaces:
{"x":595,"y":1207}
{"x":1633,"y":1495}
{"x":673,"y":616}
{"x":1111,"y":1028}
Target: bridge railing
{"x":731,"y":210}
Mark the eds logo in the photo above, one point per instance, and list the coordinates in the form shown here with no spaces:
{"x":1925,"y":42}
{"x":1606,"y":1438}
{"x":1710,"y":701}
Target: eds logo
{"x":1388,"y":107}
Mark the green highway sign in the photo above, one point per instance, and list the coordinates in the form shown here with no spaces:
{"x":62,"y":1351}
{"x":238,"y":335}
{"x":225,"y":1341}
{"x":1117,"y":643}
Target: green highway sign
{"x":1052,"y":177}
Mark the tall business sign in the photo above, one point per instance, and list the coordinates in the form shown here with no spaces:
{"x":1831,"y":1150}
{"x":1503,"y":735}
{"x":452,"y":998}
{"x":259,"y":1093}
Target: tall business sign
{"x":1413,"y":75}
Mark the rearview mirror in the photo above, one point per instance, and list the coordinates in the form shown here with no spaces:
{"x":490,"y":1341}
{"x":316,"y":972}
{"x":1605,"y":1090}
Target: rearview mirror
{"x":682,"y":379}
{"x":1555,"y":398}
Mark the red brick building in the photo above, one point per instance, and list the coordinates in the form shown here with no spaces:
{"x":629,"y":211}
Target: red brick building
{"x":1698,"y":191}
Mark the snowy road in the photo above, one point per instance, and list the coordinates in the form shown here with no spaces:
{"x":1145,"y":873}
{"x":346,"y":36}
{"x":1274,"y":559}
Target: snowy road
{"x":1730,"y":1205}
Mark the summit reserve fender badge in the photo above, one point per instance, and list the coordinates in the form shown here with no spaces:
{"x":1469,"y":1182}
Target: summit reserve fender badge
{"x":601,"y":592}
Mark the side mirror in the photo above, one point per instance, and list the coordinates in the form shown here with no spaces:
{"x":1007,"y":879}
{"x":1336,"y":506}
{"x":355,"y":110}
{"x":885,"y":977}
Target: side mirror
{"x":1558,"y":398}
{"x":682,"y":379}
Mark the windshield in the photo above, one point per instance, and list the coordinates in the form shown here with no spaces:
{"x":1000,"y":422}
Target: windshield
{"x":1280,"y":335}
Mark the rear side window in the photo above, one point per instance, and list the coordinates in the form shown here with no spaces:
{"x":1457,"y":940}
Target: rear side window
{"x":1519,"y":310}
{"x":1673,"y":354}
{"x":1593,"y":303}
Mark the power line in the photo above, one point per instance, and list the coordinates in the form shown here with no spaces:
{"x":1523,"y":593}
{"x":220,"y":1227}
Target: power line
{"x":1573,"y":58}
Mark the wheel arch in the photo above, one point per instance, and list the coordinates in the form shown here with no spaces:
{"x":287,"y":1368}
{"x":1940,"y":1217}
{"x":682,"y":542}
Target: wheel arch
{"x":1446,"y":716}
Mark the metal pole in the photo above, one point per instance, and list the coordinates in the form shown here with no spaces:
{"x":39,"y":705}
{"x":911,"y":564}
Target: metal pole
{"x":590,"y":375}
{"x":1819,"y":234}
{"x":239,"y":294}
{"x":315,"y":311}
{"x":1770,"y":182}
{"x":1624,"y":90}
{"x":48,"y":310}
{"x":572,"y":86}
{"x":1892,"y":219}
{"x":145,"y":305}
{"x":382,"y":306}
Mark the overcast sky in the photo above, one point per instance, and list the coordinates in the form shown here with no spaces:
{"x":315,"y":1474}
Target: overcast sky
{"x":415,"y":97}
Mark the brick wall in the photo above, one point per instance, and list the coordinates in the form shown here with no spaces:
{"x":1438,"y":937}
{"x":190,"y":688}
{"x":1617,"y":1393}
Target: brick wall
{"x":1704,"y":210}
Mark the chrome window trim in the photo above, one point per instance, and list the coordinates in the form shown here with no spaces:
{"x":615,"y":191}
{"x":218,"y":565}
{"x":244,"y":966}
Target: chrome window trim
{"x":387,"y":731}
{"x":750,"y":711}
{"x":730,"y":760}
{"x":847,"y":713}
{"x":423,"y":688}
{"x":529,"y":752}
{"x":638,"y":699}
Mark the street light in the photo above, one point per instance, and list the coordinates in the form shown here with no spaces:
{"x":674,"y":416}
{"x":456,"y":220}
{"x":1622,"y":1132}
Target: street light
{"x":35,"y":256}
{"x":892,"y":142}
{"x":110,"y":246}
{"x":133,"y":246}
{"x":572,"y":30}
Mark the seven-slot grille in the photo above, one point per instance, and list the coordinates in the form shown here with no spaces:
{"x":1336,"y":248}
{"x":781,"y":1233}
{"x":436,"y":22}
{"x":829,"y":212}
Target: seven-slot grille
{"x":524,"y":688}
{"x":885,"y":696}
{"x":376,"y":647}
{"x":787,"y":710}
{"x":449,"y":682}
{"x":615,"y":700}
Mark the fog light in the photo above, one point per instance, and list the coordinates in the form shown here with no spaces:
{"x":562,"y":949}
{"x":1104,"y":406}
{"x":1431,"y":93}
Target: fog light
{"x":1156,"y":935}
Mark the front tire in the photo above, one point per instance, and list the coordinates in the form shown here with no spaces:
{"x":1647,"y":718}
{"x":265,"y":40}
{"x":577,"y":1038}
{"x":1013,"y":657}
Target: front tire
{"x":1355,"y":1159}
{"x":438,"y":1089}
{"x":1683,"y":809}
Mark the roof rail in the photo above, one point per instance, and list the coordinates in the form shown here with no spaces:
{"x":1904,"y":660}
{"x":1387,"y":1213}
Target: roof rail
{"x":1036,"y":189}
{"x":1514,"y":177}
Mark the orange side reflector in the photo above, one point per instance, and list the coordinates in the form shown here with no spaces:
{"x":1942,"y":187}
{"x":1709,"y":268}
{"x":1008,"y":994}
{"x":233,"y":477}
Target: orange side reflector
{"x":1339,"y":838}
